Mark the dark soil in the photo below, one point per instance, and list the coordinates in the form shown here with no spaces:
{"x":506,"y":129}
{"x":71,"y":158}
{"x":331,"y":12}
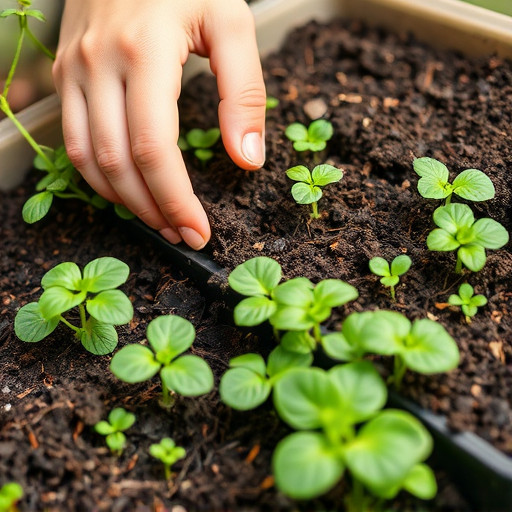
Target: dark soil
{"x":390,"y":99}
{"x":53,"y":392}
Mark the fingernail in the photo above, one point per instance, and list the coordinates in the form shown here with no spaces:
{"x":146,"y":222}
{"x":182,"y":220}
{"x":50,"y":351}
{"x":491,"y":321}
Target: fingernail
{"x":171,"y":234}
{"x":253,"y":148}
{"x":192,"y":238}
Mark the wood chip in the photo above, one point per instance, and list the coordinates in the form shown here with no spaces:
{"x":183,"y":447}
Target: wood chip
{"x":366,"y":122}
{"x":78,"y":430}
{"x":258,"y":246}
{"x":25,"y":393}
{"x":442,"y":305}
{"x":267,"y":483}
{"x":350,"y":98}
{"x":432,"y":317}
{"x":390,"y":103}
{"x":293,"y":93}
{"x":252,"y":454}
{"x":476,"y":390}
{"x":32,"y":439}
{"x":496,"y":348}
{"x":496,"y":316}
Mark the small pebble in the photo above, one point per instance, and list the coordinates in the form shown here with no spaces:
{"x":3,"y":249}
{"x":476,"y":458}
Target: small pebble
{"x":315,"y":109}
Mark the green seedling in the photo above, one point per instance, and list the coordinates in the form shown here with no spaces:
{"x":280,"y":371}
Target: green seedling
{"x":458,"y":231}
{"x":168,"y":453}
{"x":468,"y":302}
{"x":390,"y":275}
{"x":169,"y":336}
{"x":201,"y":141}
{"x":249,"y":381}
{"x":119,"y":420}
{"x":313,"y":138}
{"x":308,"y":189}
{"x":92,"y":291}
{"x":295,"y":305}
{"x":470,"y":184}
{"x":10,"y":494}
{"x":271,"y":103}
{"x":341,"y":427}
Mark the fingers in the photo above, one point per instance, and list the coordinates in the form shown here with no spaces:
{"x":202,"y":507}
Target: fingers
{"x":152,"y":90}
{"x":234,"y":59}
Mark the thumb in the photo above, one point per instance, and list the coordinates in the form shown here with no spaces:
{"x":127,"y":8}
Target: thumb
{"x":234,"y":59}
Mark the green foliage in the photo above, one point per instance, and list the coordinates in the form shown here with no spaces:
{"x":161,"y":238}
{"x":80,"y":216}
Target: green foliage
{"x":390,"y":275}
{"x":10,"y":494}
{"x":458,"y":230}
{"x":201,"y":142}
{"x":468,"y":302}
{"x":249,"y":381}
{"x":119,"y":420}
{"x":308,"y":189}
{"x":295,"y":305}
{"x":93,"y":292}
{"x":327,"y":408}
{"x":271,"y":103}
{"x":313,"y":138}
{"x":169,"y":336}
{"x":470,"y":184}
{"x":168,"y":453}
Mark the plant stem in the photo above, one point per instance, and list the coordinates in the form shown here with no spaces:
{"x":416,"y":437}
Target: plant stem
{"x":71,"y":326}
{"x":167,"y":469}
{"x":458,"y":265}
{"x":317,"y":333}
{"x":399,"y":371}
{"x":448,"y":200}
{"x":314,"y":207}
{"x":83,"y":319}
{"x":39,"y":44}
{"x":167,"y":399}
{"x":392,"y":290}
{"x":16,"y":58}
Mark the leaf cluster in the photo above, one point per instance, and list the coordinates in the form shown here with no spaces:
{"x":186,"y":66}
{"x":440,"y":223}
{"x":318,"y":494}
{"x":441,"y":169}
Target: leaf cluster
{"x":10,"y":494}
{"x":94,"y":291}
{"x":200,"y":141}
{"x":390,"y":274}
{"x":168,"y":453}
{"x":168,"y":336}
{"x":468,"y":302}
{"x":119,"y":420}
{"x":313,"y":138}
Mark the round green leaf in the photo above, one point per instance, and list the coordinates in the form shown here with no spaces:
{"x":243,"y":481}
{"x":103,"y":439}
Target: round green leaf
{"x":198,"y":138}
{"x":320,"y":130}
{"x":304,"y":145}
{"x":473,"y":185}
{"x":387,"y":448}
{"x":11,"y":491}
{"x":105,"y":273}
{"x":337,"y":347}
{"x":203,"y":154}
{"x":254,"y":311}
{"x":188,"y":375}
{"x":434,"y":175}
{"x":37,"y":207}
{"x":389,"y":281}
{"x":299,"y":173}
{"x":296,"y":132}
{"x":400,"y":265}
{"x":298,"y":341}
{"x":116,"y":442}
{"x":170,"y":336}
{"x":104,"y":428}
{"x":281,"y":360}
{"x":453,"y":216}
{"x":303,"y":397}
{"x":379,"y":266}
{"x":421,"y":482}
{"x":290,"y":318}
{"x":111,"y":307}
{"x":294,"y":292}
{"x":478,"y":300}
{"x":429,"y":348}
{"x":257,"y":276}
{"x":466,"y":292}
{"x":490,"y":234}
{"x":306,"y":194}
{"x":305,"y":465}
{"x":134,"y":363}
{"x":382,"y":332}
{"x":334,"y":292}
{"x":324,"y":174}
{"x":361,"y":388}
{"x":122,"y":212}
{"x":31,"y":326}
{"x":56,"y":300}
{"x":473,"y":256}
{"x":121,"y":419}
{"x":469,"y":310}
{"x":253,"y":362}
{"x":99,"y":202}
{"x":98,"y":338}
{"x":315,"y":145}
{"x":243,"y":389}
{"x":455,"y":300}
{"x":66,"y":275}
{"x":426,"y":166}
{"x":440,"y":240}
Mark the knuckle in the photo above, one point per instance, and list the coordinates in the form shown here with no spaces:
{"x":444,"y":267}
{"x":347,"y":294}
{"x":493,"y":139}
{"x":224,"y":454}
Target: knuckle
{"x":253,"y":96}
{"x":110,"y":162}
{"x":89,"y":48}
{"x":130,"y":46}
{"x":172,"y":208}
{"x":146,"y":152}
{"x":77,"y":155}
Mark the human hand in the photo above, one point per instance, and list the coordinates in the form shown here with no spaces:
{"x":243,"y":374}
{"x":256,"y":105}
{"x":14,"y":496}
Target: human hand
{"x":118,"y":74}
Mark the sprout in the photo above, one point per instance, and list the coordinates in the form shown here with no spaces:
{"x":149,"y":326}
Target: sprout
{"x":119,"y":420}
{"x":313,"y":138}
{"x":399,"y":266}
{"x":468,"y":302}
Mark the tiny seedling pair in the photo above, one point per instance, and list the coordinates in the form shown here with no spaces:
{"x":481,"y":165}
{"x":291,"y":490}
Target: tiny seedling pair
{"x":467,"y":301}
{"x":201,"y":142}
{"x":390,"y":274}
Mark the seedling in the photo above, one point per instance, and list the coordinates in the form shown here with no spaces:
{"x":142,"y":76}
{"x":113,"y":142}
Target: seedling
{"x":390,"y":276}
{"x":470,"y":184}
{"x":119,"y":420}
{"x":168,"y":453}
{"x":271,"y":103}
{"x":384,"y":455}
{"x":10,"y":494}
{"x":249,"y":381}
{"x":201,"y":141}
{"x":308,"y":189}
{"x":93,"y":292}
{"x":295,"y":305}
{"x":468,"y":302}
{"x":313,"y":138}
{"x":457,"y":230}
{"x":168,"y":336}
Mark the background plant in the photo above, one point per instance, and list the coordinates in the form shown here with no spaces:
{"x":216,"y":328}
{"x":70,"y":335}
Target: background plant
{"x":10,"y":494}
{"x":119,"y":420}
{"x":468,"y":302}
{"x":168,"y":453}
{"x":308,"y":189}
{"x":201,"y":142}
{"x":470,"y":184}
{"x":458,"y":231}
{"x":313,"y":138}
{"x":93,"y":292}
{"x":390,"y":275}
{"x":169,"y":336}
